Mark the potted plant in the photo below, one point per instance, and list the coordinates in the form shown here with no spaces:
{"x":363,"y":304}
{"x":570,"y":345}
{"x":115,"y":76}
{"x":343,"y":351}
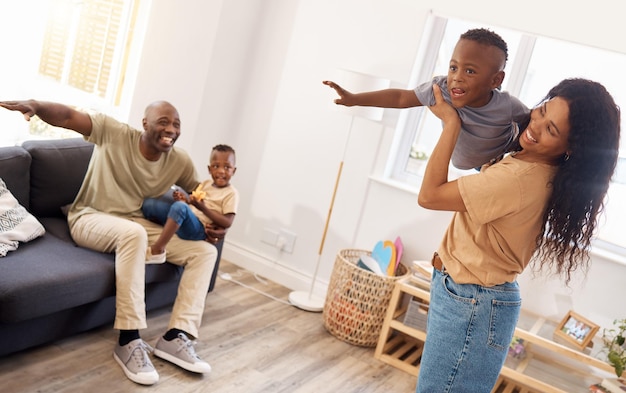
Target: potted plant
{"x":614,"y":345}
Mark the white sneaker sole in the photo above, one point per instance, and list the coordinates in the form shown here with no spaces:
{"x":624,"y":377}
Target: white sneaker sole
{"x":200,"y":368}
{"x":141,"y":378}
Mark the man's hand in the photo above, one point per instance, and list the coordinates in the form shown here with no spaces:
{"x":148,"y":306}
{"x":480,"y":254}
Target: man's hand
{"x":26,"y":107}
{"x":55,"y":114}
{"x":179,"y":196}
{"x":214,"y":233}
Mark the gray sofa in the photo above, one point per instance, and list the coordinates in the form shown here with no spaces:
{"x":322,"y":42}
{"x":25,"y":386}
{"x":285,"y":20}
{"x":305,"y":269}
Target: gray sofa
{"x":49,"y":287}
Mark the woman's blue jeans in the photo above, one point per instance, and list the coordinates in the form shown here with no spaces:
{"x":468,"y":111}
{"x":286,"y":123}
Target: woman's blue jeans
{"x":470,"y":328}
{"x":190,"y":227}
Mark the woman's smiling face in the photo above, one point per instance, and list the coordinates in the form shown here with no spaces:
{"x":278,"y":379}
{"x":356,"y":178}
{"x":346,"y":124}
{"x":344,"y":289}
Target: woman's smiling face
{"x":545,"y":138}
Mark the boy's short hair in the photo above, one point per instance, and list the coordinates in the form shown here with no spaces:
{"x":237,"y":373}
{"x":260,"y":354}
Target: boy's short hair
{"x":224,"y":148}
{"x":487,"y":37}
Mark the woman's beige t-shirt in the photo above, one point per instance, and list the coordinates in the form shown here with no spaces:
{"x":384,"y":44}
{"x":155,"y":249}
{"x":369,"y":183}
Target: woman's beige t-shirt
{"x":494,"y":240}
{"x":119,"y":177}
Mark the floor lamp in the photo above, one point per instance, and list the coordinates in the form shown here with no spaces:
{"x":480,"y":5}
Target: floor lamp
{"x":355,"y":82}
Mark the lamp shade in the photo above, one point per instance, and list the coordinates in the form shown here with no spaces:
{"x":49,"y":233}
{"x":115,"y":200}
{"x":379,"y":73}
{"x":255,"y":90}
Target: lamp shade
{"x":358,"y":82}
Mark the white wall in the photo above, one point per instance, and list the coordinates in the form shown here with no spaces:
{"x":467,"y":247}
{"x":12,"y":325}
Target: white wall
{"x":249,"y":72}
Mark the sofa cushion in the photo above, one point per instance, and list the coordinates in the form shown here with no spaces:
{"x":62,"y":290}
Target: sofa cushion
{"x":56,"y":174}
{"x":48,"y":275}
{"x":15,"y":171}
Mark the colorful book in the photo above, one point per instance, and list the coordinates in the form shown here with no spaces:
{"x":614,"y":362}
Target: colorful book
{"x":423,"y":269}
{"x":384,"y":253}
{"x":399,"y":250}
{"x":368,"y":263}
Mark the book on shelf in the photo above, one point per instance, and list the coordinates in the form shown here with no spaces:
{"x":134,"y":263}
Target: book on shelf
{"x":422,"y":270}
{"x":614,"y":385}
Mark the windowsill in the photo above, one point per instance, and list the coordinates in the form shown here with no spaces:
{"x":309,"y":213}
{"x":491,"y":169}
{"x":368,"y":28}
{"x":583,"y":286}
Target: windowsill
{"x":596,"y":249}
{"x":399,"y":185}
{"x":608,"y":255}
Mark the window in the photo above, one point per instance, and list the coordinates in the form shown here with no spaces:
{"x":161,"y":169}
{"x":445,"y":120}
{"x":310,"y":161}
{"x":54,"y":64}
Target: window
{"x":85,"y":46}
{"x":80,"y":46}
{"x":530,"y":72}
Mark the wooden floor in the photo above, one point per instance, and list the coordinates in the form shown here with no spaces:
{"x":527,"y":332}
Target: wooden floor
{"x":253,"y":343}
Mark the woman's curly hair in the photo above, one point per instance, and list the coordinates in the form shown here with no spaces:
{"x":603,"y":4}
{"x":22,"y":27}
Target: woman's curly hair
{"x":582,"y":179}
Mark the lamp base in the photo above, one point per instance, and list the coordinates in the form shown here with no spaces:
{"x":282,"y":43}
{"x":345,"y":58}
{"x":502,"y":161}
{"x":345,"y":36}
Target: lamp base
{"x":306,"y":301}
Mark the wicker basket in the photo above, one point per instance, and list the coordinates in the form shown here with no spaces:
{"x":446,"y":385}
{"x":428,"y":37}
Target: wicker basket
{"x":357,"y":300}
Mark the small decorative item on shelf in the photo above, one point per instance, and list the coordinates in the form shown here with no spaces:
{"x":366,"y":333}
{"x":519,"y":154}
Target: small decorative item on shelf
{"x":517,"y":349}
{"x":614,"y":346}
{"x":576,"y":330}
{"x":517,"y":352}
{"x":598,"y":388}
{"x":614,"y":385}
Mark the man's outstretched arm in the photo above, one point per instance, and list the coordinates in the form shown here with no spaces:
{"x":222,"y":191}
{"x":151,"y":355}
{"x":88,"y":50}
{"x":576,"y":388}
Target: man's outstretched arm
{"x":53,"y":113}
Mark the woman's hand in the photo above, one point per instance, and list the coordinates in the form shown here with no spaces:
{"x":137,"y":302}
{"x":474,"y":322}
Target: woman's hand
{"x":442,"y":109}
{"x":437,"y":193}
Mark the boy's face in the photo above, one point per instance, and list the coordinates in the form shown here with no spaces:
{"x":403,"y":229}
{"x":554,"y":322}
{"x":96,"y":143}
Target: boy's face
{"x":475,"y":70}
{"x":222,"y":167}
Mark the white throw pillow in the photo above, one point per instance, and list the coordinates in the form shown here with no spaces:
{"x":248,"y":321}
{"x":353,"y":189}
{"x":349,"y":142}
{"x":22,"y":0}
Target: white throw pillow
{"x":16,"y":223}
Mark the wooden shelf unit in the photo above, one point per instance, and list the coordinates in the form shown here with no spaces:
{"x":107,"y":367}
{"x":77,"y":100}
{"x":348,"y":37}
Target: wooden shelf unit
{"x":548,"y":367}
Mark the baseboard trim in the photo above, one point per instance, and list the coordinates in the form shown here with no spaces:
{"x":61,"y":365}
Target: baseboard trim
{"x":275,"y":271}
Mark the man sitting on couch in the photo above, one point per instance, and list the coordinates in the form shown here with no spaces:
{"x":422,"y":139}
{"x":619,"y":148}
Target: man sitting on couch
{"x":127,"y":166}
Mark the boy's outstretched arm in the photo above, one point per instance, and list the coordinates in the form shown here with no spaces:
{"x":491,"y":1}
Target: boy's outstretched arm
{"x":387,"y":98}
{"x":55,"y":114}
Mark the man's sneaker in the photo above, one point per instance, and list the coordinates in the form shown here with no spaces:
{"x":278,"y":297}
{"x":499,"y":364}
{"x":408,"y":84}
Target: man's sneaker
{"x":134,"y":360}
{"x":154,"y":258}
{"x":181,"y":352}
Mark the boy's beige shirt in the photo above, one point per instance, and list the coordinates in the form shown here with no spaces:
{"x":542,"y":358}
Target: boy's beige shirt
{"x":222,"y":199}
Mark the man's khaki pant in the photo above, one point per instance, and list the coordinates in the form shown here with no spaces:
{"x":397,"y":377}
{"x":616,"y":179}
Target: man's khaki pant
{"x":129,"y":239}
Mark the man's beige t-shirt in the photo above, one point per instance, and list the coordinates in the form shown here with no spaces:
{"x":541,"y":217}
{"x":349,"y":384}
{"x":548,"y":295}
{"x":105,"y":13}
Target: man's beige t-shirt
{"x":494,"y":240}
{"x":119,"y":177}
{"x":222,"y":199}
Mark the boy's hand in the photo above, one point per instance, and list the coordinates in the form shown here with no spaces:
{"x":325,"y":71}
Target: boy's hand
{"x":198,"y":194}
{"x":199,"y":203}
{"x":345,"y":97}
